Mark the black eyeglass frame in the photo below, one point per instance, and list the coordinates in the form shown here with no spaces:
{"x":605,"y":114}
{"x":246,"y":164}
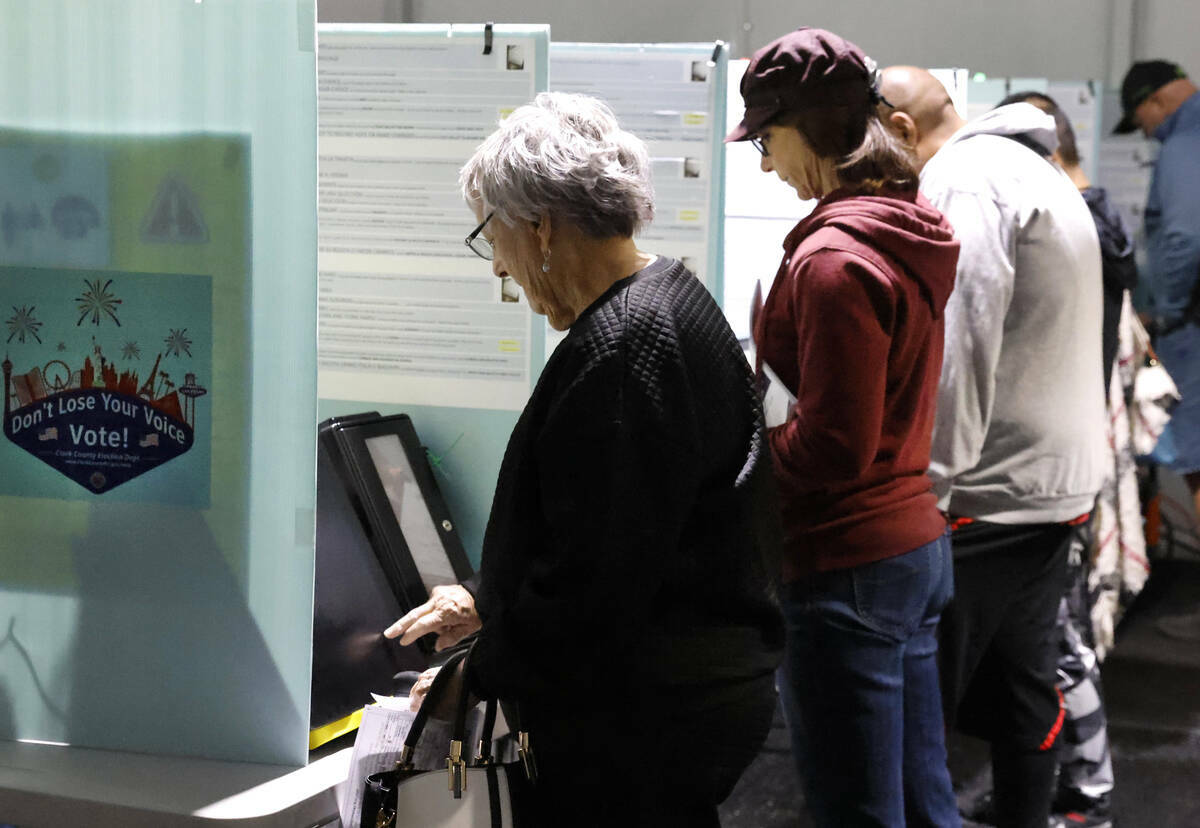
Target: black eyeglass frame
{"x":760,"y":145}
{"x":488,"y":253}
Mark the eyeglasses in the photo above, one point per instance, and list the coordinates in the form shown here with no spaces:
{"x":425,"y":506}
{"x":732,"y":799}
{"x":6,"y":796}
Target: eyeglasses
{"x":480,"y":246}
{"x":760,"y":144}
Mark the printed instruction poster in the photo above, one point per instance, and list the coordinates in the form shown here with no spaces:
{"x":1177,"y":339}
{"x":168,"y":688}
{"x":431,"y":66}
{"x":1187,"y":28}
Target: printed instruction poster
{"x":668,"y":98}
{"x":408,"y":314}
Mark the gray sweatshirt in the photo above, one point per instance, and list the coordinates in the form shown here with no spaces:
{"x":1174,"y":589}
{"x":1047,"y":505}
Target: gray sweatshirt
{"x":1019,"y":433}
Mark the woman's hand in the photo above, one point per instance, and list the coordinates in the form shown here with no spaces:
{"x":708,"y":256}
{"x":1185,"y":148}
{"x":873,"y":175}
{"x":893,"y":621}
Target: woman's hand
{"x":449,"y":612}
{"x":420,"y":688}
{"x":445,"y":709}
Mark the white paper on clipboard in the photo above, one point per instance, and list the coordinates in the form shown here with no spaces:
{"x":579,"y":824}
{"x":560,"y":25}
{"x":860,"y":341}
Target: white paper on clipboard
{"x":777,"y":399}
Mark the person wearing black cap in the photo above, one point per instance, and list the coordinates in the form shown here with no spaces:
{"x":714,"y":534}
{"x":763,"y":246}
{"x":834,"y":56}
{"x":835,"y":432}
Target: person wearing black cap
{"x":1153,"y":90}
{"x":1159,"y":99}
{"x":852,"y":330}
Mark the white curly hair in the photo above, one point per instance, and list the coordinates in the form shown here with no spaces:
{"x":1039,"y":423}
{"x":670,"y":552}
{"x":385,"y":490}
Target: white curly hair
{"x":565,"y":155}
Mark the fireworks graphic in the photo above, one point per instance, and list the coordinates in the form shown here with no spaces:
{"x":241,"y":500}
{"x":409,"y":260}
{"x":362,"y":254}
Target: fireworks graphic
{"x":62,"y":346}
{"x":130,"y":350}
{"x":22,"y":324}
{"x":97,"y":300}
{"x":178,"y":341}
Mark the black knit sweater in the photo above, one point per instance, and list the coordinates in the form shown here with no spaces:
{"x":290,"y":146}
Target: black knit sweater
{"x":631,"y":542}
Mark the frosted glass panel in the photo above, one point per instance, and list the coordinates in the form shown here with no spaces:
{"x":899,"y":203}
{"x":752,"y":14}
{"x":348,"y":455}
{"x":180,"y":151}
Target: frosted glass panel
{"x":158,"y":295}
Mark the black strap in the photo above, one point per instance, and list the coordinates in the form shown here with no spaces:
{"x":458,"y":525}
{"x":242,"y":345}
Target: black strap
{"x":432,"y":699}
{"x":459,"y":731}
{"x":493,"y":784}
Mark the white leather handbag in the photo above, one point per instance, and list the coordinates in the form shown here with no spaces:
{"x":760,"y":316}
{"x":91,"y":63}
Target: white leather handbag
{"x":479,"y":794}
{"x":1154,"y":395}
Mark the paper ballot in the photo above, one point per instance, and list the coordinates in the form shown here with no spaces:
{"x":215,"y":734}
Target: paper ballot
{"x":379,"y":742}
{"x":777,"y":399}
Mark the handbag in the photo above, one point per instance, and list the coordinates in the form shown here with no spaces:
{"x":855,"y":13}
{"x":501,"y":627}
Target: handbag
{"x":482,"y":794}
{"x":1154,"y":396}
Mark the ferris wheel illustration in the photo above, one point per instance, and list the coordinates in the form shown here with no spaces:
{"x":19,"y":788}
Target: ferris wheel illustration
{"x":57,"y":375}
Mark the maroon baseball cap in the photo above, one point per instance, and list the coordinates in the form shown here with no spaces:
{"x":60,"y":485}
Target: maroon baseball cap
{"x":807,"y":67}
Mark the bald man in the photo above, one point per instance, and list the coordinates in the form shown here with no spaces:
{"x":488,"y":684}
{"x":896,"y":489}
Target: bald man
{"x":1018,"y":439}
{"x":922,"y":113}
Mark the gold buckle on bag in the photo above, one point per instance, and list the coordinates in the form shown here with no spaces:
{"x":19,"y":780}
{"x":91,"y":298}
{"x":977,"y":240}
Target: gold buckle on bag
{"x":404,"y":762}
{"x":457,"y":769}
{"x":525,"y":751}
{"x":385,"y":818}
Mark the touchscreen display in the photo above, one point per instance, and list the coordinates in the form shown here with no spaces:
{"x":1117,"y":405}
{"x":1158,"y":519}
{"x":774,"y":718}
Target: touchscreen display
{"x":404,"y":494}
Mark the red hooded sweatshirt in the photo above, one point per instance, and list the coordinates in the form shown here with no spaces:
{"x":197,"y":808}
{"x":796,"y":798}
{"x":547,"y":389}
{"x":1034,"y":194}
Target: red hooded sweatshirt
{"x":853,"y":327}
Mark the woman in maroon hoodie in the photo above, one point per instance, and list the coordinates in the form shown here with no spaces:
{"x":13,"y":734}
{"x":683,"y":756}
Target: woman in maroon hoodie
{"x":852,"y":330}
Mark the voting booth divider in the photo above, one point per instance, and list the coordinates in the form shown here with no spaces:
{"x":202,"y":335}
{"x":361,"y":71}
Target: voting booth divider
{"x":157,"y":202}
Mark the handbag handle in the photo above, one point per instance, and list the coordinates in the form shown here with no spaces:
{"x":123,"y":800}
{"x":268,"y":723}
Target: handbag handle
{"x":1142,"y":337}
{"x":524,"y":749}
{"x":455,"y":765}
{"x":483,"y":755}
{"x":454,"y":762}
{"x":432,"y":698}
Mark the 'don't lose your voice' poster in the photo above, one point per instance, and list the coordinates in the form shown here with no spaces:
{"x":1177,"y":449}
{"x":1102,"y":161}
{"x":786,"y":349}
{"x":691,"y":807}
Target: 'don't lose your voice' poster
{"x":118,"y":254}
{"x":105,"y":373}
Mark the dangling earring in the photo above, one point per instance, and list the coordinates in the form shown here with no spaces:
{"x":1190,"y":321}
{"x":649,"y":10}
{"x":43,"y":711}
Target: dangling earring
{"x":546,"y":263}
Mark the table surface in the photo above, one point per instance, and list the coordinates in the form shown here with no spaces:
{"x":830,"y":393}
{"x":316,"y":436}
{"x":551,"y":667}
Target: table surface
{"x":39,"y":781}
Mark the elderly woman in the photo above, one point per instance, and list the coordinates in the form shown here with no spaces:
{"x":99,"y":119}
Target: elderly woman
{"x":852,"y":329}
{"x":626,"y":597}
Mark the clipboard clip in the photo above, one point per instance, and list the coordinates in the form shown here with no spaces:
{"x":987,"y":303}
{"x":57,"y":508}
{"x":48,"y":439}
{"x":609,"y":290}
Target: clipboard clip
{"x":487,"y":38}
{"x":717,"y":47}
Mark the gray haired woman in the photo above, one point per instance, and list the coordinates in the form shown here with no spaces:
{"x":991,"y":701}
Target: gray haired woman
{"x":627,"y":599}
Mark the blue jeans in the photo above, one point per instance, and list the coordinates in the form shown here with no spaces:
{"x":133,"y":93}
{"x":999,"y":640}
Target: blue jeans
{"x":860,"y":691}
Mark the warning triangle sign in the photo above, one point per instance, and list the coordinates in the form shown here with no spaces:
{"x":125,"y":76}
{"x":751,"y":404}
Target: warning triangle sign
{"x":174,"y":216}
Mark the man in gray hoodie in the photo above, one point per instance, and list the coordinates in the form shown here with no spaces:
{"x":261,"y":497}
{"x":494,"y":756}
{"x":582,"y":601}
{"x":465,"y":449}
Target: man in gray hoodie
{"x":1018,"y":440}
